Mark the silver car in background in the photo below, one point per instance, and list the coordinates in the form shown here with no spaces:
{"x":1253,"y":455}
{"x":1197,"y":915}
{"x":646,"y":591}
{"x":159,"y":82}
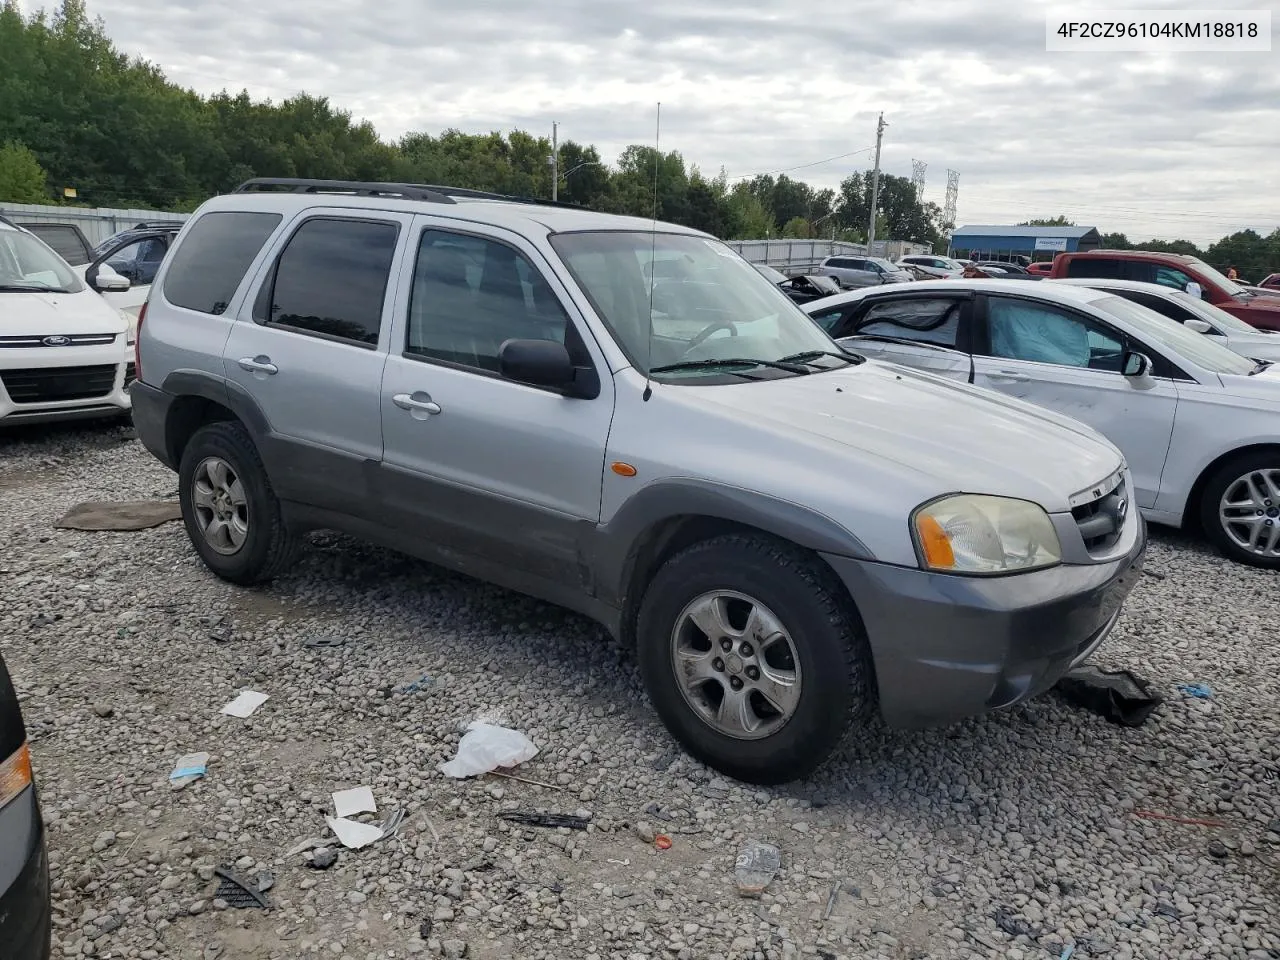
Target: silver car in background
{"x":854,"y":272}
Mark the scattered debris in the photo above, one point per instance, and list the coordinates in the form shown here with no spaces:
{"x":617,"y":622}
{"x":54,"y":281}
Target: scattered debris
{"x":391,"y":826}
{"x":1068,"y":951}
{"x":414,"y":686}
{"x":304,"y":845}
{"x":123,"y":516}
{"x":665,"y":760}
{"x":1155,"y":575}
{"x":424,"y":930}
{"x":662,"y":842}
{"x":1168,"y":910}
{"x":1201,"y":691}
{"x":485,"y":747}
{"x":756,"y":865}
{"x":324,"y":643}
{"x":323,"y":858}
{"x":238,"y":892}
{"x":1218,"y":849}
{"x":831,"y":900}
{"x":621,"y":863}
{"x":532,"y":783}
{"x":1190,"y":821}
{"x":1119,"y":695}
{"x":352,"y":833}
{"x":1012,"y":924}
{"x":347,"y":803}
{"x":554,"y":820}
{"x":188,"y":769}
{"x":244,"y":705}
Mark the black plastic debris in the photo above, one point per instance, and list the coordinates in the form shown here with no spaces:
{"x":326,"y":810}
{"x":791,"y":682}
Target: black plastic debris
{"x":553,"y":820}
{"x":1118,"y":695}
{"x":1012,"y":924}
{"x":323,"y":642}
{"x":240,"y":893}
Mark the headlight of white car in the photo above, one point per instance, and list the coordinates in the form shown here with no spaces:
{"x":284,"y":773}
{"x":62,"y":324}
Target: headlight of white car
{"x":131,"y":327}
{"x":976,"y":534}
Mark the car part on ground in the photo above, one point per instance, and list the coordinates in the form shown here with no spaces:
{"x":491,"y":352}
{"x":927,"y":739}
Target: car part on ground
{"x":563,"y":405}
{"x":1181,"y":407}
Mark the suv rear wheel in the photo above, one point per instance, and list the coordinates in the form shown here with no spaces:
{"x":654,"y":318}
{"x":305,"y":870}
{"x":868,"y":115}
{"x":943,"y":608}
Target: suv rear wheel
{"x":753,"y":657}
{"x":1240,"y":508}
{"x":230,"y":511}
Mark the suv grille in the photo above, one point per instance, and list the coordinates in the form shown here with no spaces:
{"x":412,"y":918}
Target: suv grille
{"x":1101,"y":520}
{"x":47,"y":384}
{"x":67,"y":340}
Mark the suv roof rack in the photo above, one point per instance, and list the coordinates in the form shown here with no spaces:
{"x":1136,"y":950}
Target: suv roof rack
{"x":466,"y":193}
{"x":406,"y":191}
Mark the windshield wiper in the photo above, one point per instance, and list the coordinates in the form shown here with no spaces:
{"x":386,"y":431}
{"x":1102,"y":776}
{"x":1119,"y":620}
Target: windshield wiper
{"x":808,"y":356}
{"x":734,"y":362}
{"x":29,"y":288}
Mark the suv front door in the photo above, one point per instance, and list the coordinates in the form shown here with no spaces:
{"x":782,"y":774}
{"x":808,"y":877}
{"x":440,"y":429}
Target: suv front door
{"x":309,"y":348}
{"x":137,"y":259}
{"x":511,"y":494}
{"x":1071,"y":364}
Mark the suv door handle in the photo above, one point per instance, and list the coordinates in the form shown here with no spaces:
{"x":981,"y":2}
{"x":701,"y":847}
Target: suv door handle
{"x":258,"y":364}
{"x":416,"y":402}
{"x":1009,"y":376}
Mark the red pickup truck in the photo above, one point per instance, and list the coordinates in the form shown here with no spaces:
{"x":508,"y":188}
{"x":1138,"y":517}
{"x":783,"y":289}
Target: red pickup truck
{"x":1172,"y":270}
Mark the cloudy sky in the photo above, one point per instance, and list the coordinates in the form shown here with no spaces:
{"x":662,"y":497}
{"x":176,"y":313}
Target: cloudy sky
{"x":1154,"y":145}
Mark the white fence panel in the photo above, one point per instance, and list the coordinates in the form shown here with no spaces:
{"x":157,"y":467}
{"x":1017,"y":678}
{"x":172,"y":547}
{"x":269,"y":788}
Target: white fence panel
{"x":96,"y":223}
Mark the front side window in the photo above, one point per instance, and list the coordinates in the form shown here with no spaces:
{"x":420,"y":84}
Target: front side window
{"x":1039,"y":333}
{"x":27,"y":265}
{"x":213,"y":257}
{"x":1169,"y":277}
{"x":935,"y":321}
{"x":471,"y":294}
{"x":714,"y":307}
{"x":332,"y":277}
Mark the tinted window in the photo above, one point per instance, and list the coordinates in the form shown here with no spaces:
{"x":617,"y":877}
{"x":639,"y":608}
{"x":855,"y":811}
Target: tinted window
{"x":331,"y":278}
{"x":1037,"y":332}
{"x":213,"y":257}
{"x":471,"y":294}
{"x":1159,"y":304}
{"x":65,"y":240}
{"x":1169,"y":277}
{"x":929,"y":321}
{"x":829,"y":320}
{"x":1095,"y":267}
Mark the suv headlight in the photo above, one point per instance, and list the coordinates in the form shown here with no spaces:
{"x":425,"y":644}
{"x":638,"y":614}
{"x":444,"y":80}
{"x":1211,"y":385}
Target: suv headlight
{"x":977,"y":534}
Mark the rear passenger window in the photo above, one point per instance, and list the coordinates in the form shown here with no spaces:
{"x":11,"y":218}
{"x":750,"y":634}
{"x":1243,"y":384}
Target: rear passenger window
{"x":212,"y":260}
{"x":935,"y":321}
{"x":1095,"y":268}
{"x":332,"y":277}
{"x":471,"y":294}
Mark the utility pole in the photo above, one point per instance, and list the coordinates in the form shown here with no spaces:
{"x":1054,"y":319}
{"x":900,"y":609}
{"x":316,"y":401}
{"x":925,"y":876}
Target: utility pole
{"x":555,"y":164}
{"x":875,"y":186}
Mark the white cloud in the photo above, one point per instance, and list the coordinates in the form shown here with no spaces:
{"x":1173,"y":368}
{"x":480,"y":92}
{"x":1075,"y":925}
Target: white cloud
{"x":1148,"y":144}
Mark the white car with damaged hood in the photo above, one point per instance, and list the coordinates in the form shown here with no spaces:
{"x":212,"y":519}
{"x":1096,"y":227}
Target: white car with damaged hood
{"x":1199,"y":425}
{"x":65,"y":353}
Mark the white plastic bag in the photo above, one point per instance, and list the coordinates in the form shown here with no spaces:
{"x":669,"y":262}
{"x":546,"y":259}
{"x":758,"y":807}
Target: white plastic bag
{"x":486,"y":747}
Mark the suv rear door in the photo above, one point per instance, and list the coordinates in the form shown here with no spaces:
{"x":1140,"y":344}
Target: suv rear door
{"x":501,"y":472}
{"x":309,"y":346}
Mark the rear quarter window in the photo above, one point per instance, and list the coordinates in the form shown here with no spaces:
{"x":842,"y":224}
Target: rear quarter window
{"x":66,"y":241}
{"x":213,"y":258}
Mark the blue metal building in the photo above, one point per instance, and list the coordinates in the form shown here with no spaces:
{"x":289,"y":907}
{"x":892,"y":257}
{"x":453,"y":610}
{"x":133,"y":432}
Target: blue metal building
{"x":985,"y":242}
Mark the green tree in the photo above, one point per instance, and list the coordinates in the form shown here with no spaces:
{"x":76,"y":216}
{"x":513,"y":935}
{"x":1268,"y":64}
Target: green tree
{"x":22,"y":179}
{"x":797,"y":228}
{"x":749,"y":218}
{"x":1116,"y":241}
{"x":1058,"y":221}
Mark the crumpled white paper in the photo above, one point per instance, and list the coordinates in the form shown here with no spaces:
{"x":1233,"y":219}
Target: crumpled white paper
{"x":353,"y":833}
{"x":486,"y":747}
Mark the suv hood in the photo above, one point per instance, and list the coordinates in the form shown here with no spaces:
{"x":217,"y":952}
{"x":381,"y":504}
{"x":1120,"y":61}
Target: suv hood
{"x":49,"y":314}
{"x":965,"y":439}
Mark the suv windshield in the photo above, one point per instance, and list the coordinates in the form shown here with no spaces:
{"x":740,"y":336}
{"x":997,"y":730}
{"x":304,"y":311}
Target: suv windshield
{"x":708,"y":303}
{"x":1219,"y":279}
{"x":1176,"y":338}
{"x":27,"y":265}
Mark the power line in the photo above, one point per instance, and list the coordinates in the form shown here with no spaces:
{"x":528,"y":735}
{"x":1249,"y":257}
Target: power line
{"x":803,"y":166}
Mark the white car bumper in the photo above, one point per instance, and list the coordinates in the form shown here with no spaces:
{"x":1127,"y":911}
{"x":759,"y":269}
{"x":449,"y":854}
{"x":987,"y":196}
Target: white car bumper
{"x":86,"y":378}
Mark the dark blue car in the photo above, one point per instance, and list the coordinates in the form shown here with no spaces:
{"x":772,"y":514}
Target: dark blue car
{"x":24,"y":866}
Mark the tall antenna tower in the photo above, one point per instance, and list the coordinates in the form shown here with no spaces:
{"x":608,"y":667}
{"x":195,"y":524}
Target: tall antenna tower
{"x":918,"y":168}
{"x":953,"y":191}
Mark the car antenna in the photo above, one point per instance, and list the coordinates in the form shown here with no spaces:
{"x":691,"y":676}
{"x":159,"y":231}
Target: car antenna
{"x":653,"y":252}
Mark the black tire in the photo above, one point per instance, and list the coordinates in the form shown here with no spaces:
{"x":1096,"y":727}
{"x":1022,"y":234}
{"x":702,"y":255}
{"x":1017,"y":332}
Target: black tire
{"x":1214,"y":490}
{"x":836,"y":688}
{"x":269,"y":547}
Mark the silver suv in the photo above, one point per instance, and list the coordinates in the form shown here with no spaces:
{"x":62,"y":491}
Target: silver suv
{"x":626,"y":419}
{"x":851,"y":272}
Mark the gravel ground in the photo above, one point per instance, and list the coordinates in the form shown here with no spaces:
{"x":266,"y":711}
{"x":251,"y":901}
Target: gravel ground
{"x":1016,"y":835}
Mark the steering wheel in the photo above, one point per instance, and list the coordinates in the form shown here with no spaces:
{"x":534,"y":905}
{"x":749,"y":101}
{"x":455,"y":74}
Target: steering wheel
{"x":708,"y":330}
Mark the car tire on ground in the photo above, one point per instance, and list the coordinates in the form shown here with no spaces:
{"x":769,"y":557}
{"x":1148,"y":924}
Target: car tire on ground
{"x":1240,"y":508}
{"x":771,"y":711}
{"x":229,"y":508}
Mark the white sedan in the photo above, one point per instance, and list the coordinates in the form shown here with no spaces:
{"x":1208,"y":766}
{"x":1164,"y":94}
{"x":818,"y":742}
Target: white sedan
{"x":1198,"y":424}
{"x":1193,"y":313}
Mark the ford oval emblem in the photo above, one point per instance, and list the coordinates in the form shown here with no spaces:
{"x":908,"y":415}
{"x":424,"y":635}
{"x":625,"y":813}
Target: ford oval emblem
{"x":56,"y":341}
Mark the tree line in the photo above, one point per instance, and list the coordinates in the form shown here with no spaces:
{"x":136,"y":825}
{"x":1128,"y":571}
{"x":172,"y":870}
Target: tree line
{"x":77,"y":113}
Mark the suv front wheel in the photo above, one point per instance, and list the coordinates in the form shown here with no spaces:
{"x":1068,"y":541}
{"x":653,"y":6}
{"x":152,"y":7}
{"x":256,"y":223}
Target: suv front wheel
{"x":753,"y":657}
{"x":230,"y":511}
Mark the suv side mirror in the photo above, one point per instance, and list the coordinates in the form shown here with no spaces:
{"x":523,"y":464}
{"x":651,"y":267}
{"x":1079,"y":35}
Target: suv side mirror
{"x":1199,"y":326}
{"x":545,"y":363}
{"x":106,"y":280}
{"x":1136,"y":365}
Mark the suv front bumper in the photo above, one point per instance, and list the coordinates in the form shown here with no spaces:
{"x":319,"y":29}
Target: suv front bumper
{"x":947,"y":647}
